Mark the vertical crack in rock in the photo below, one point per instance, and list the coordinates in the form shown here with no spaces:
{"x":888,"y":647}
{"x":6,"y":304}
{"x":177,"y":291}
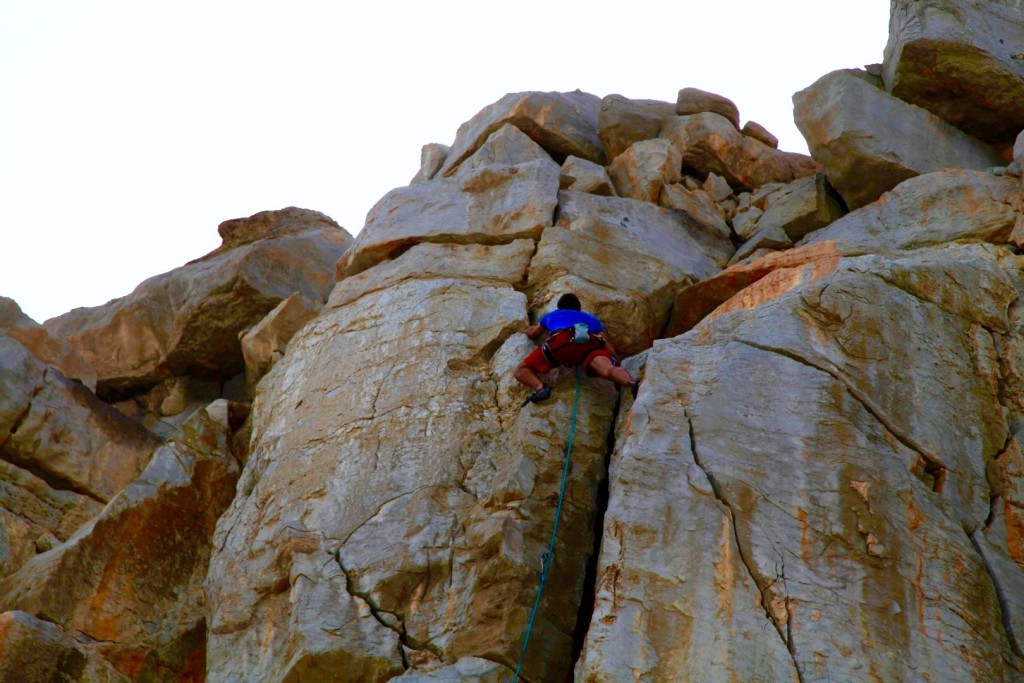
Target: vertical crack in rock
{"x":378,"y":614}
{"x":762,"y":586}
{"x":932,"y":464}
{"x":20,"y":420}
{"x":587,"y":602}
{"x":1000,"y":590}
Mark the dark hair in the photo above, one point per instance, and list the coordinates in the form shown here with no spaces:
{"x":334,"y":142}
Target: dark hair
{"x":569,"y":302}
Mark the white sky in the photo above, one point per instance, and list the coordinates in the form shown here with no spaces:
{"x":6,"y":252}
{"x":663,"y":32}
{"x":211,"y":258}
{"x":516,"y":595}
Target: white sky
{"x":129,"y":130}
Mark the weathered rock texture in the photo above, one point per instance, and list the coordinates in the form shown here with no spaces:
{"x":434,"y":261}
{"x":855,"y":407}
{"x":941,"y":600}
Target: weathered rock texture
{"x":35,"y":650}
{"x":130,"y":581}
{"x":48,"y":349}
{"x":829,"y":476}
{"x":962,"y":61}
{"x":562,"y":123}
{"x":869,"y":141}
{"x":710,"y":143}
{"x":186,"y":322}
{"x":821,"y":478}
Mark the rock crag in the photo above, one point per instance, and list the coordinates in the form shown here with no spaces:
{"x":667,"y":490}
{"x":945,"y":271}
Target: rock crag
{"x":304,"y":457}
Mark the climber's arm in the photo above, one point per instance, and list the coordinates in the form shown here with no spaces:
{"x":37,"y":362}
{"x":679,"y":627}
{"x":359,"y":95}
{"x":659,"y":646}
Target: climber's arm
{"x":534,"y":331}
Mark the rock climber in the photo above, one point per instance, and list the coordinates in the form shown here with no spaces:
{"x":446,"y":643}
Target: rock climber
{"x":576,"y":338}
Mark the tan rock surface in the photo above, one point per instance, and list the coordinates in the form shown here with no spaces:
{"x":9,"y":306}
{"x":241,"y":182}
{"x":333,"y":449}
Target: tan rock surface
{"x":868,"y":141}
{"x":585,"y":176}
{"x":697,"y":205}
{"x":801,"y":207}
{"x":622,"y":122}
{"x":266,"y":343}
{"x":186,"y":321}
{"x":929,"y":209}
{"x":502,"y":263}
{"x":962,"y":61}
{"x":846,"y":468}
{"x":392,"y":417}
{"x":753,"y":129}
{"x":432,"y":157}
{"x":561,"y":123}
{"x":711,"y":144}
{"x":36,"y":651}
{"x":48,"y":349}
{"x":131,"y":578}
{"x":490,"y":205}
{"x":642,"y":170}
{"x":695,"y":101}
{"x":508,"y":145}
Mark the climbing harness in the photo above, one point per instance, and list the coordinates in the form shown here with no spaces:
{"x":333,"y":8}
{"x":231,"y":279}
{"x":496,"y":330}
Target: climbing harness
{"x":548,"y":556}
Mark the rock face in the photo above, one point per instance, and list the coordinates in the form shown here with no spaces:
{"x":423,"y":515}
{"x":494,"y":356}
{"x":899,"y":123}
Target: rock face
{"x":186,"y":322}
{"x":63,"y":454}
{"x":695,"y":101}
{"x":876,"y":476}
{"x":868,"y":141}
{"x":36,"y":650}
{"x":820,"y":478}
{"x":129,"y":581}
{"x":50,"y":350}
{"x":961,"y":61}
{"x":562,"y":123}
{"x":710,"y":143}
{"x":492,"y":204}
{"x":622,"y":122}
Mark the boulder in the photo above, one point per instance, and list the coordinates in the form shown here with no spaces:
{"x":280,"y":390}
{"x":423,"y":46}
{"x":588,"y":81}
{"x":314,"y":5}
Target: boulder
{"x":803,"y":441}
{"x":960,"y":61}
{"x":753,"y":129}
{"x":696,"y":301}
{"x":801,"y":207}
{"x":61,"y":433}
{"x":622,"y":121}
{"x":765,"y":237}
{"x":508,"y":146}
{"x":868,"y":141}
{"x":561,"y":123}
{"x":34,"y":517}
{"x":36,"y":651}
{"x":925,"y":210}
{"x":585,"y":176}
{"x":186,"y":321}
{"x":432,"y":157}
{"x":266,"y":343}
{"x":130,"y":580}
{"x":502,"y":263}
{"x":717,"y":187}
{"x":744,"y":223}
{"x":711,"y":144}
{"x":642,"y":170}
{"x":694,"y":101}
{"x":697,"y":205}
{"x":491,"y":205}
{"x":41,"y":344}
{"x":625,"y":259}
{"x":414,"y":435}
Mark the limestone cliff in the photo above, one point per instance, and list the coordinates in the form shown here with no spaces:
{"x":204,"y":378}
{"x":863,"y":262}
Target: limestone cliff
{"x":304,"y":458}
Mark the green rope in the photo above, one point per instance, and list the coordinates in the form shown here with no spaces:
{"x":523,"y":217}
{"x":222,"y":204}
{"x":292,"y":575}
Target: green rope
{"x":550,"y":554}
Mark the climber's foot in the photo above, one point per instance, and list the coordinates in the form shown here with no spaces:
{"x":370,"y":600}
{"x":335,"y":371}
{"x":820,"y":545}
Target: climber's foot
{"x":538,"y":396}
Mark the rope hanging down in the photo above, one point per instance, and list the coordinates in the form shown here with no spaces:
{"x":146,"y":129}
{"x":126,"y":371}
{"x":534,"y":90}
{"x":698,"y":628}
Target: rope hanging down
{"x":550,"y":554}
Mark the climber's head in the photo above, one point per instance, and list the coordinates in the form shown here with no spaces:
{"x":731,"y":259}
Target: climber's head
{"x":569,"y":302}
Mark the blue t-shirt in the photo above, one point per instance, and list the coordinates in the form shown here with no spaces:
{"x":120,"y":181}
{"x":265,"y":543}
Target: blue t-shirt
{"x":561,"y":318}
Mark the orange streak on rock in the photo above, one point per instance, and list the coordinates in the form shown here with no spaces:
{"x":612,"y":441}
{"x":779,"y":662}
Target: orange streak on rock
{"x":696,"y":302}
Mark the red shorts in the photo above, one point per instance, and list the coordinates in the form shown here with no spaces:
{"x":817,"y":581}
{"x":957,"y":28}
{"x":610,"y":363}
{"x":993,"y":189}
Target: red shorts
{"x":539,"y":364}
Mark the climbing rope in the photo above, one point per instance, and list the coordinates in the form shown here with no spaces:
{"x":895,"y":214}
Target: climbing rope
{"x":548,"y":557}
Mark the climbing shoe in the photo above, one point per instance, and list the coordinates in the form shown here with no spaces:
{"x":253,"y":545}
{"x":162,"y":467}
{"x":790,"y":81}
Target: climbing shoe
{"x":538,"y":396}
{"x":634,"y":387}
